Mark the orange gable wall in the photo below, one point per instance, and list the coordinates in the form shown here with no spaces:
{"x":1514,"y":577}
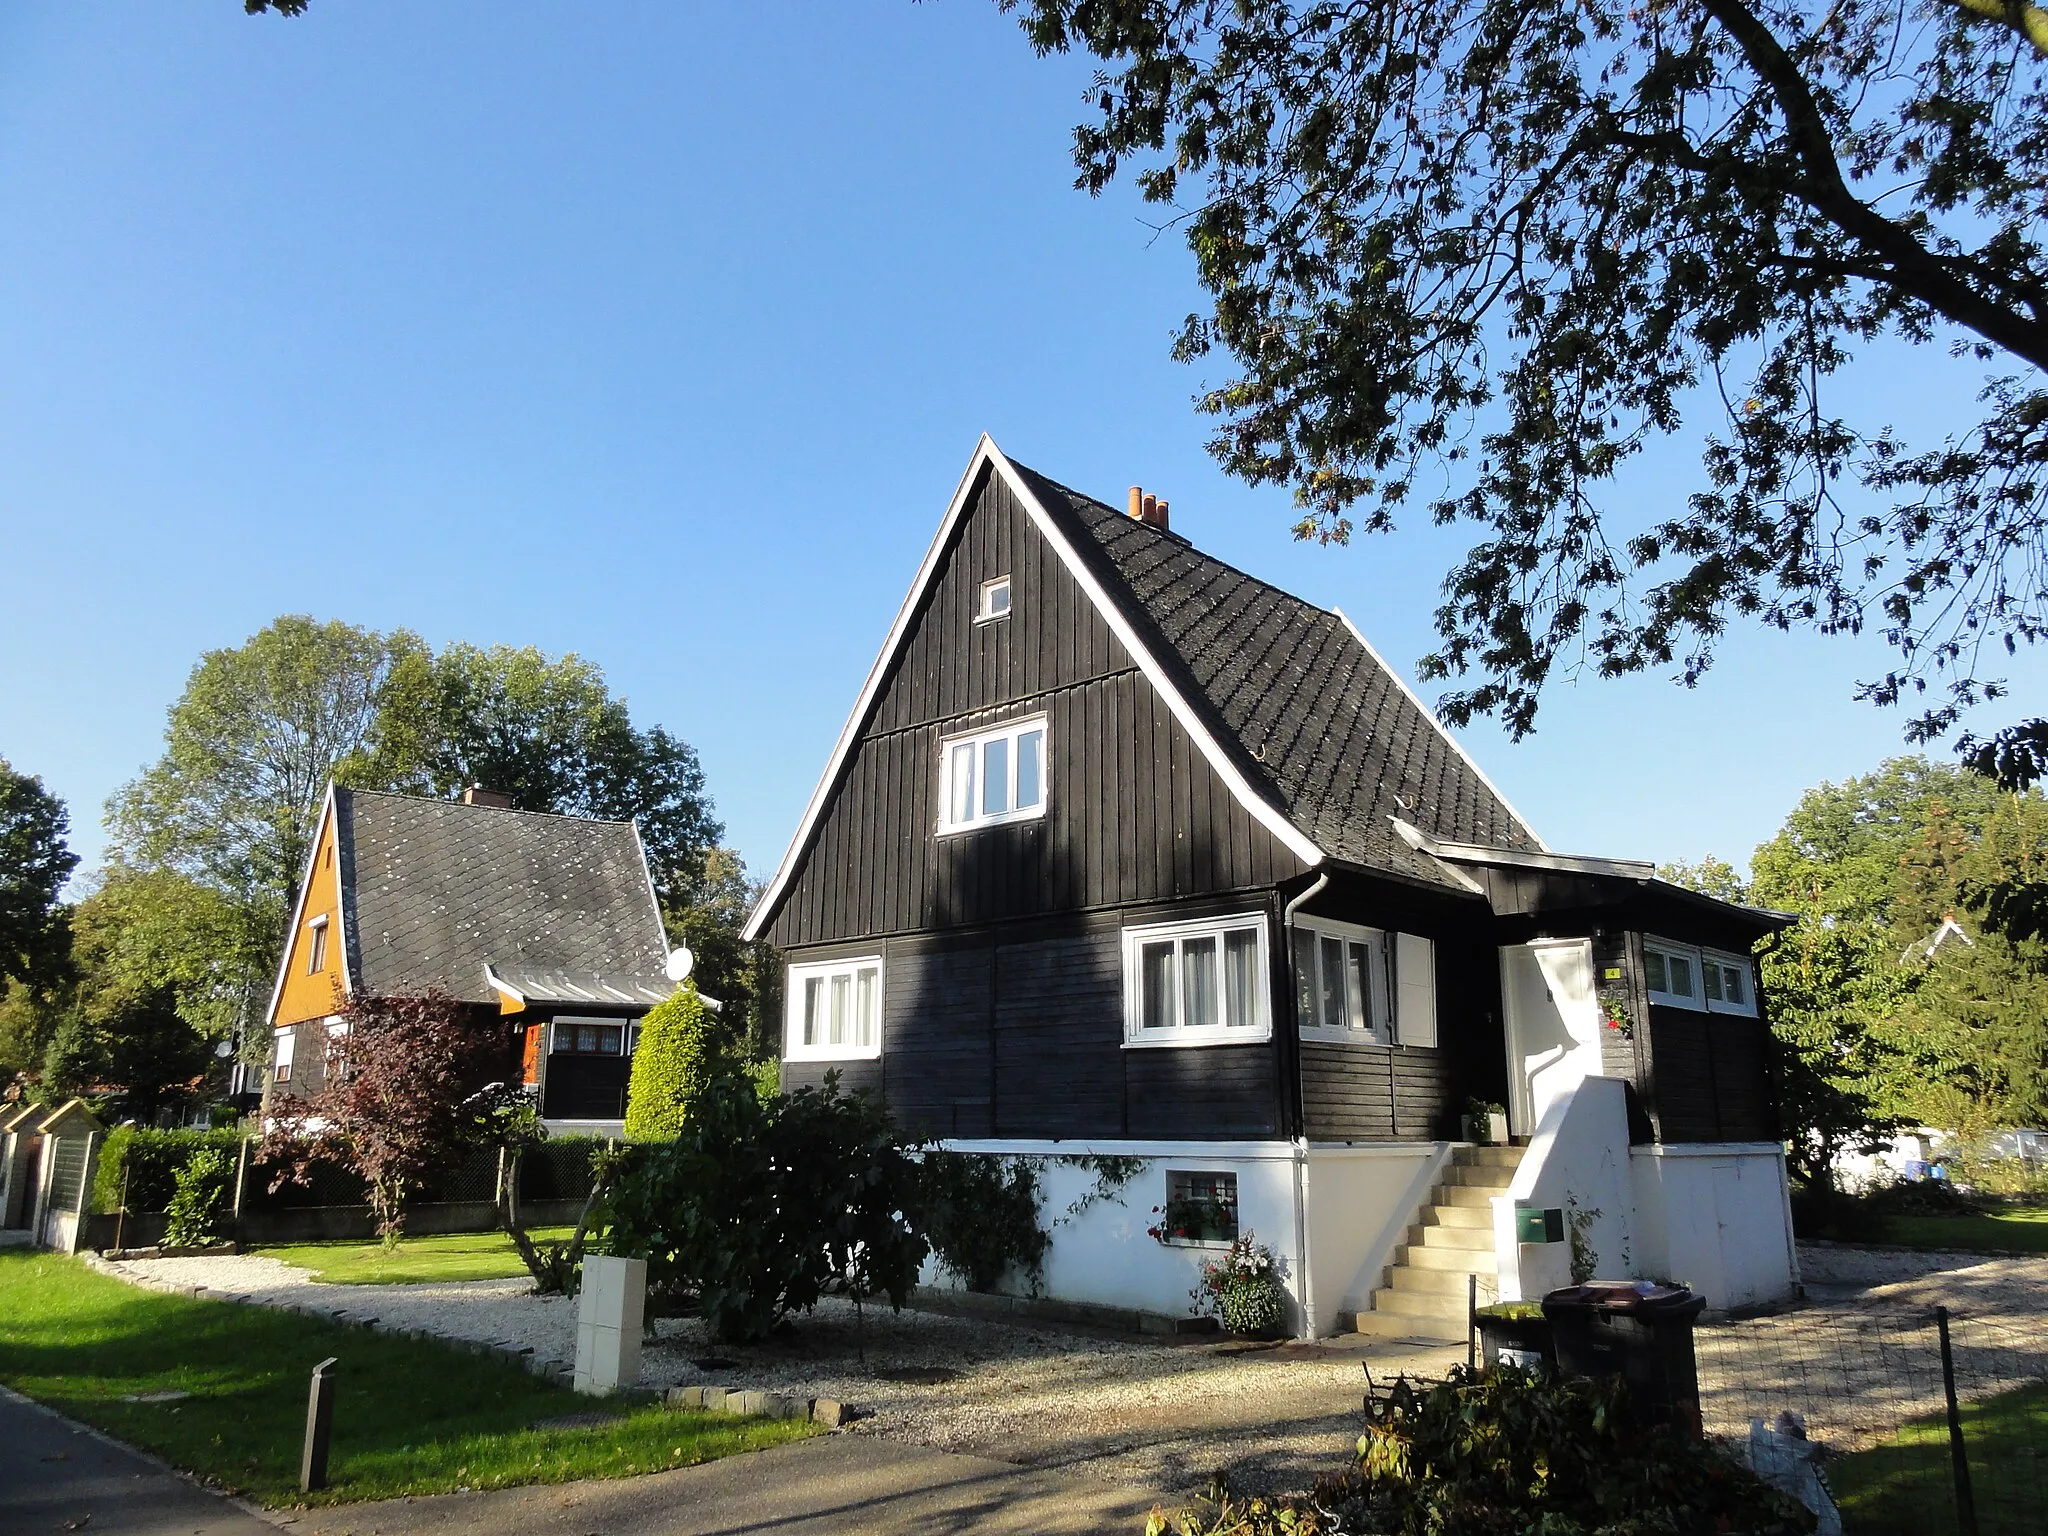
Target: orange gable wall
{"x":314,"y":996}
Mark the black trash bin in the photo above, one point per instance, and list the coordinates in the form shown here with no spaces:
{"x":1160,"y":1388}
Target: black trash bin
{"x":1638,"y":1331}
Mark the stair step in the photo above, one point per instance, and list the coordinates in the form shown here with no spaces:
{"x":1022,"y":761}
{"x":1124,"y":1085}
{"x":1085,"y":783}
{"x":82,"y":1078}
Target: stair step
{"x":1473,"y":1261}
{"x":1479,"y":1176}
{"x":1395,"y":1325}
{"x":1492,"y":1157}
{"x":1464,"y":1194}
{"x":1413,"y":1281}
{"x":1477,"y":1217}
{"x":1423,"y":1306}
{"x":1451,"y":1239}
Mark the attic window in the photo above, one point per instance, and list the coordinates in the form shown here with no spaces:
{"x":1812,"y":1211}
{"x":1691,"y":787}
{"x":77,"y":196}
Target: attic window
{"x":316,"y":946}
{"x":992,"y":776}
{"x":995,"y":600}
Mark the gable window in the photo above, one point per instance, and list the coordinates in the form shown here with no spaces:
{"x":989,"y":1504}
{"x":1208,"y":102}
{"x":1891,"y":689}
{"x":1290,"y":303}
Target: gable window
{"x":995,"y":600}
{"x":281,"y":1065}
{"x":589,"y":1037}
{"x":993,"y":776}
{"x":1705,"y":980}
{"x":834,"y":1010}
{"x":1200,"y":1208}
{"x":316,"y":946}
{"x":1196,"y":983}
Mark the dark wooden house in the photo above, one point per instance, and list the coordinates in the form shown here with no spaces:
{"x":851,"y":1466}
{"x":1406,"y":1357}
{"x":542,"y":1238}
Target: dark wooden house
{"x":1124,"y":851}
{"x":546,"y":926}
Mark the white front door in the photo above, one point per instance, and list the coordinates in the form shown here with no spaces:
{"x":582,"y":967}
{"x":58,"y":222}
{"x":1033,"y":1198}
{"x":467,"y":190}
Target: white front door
{"x":1553,"y":1024}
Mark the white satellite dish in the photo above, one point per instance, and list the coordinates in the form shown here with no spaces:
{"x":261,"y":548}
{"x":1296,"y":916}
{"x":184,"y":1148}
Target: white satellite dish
{"x":680,"y":960}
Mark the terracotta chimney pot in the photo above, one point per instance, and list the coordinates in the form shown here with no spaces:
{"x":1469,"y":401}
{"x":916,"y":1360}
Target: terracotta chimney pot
{"x":1137,"y":502}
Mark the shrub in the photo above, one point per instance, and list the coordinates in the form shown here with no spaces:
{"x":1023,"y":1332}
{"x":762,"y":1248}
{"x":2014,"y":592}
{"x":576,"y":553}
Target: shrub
{"x":197,"y":1204}
{"x":758,"y":1209}
{"x":148,"y":1162}
{"x":1509,"y":1451}
{"x":676,"y":1058}
{"x":1243,"y":1288}
{"x":981,"y":1215}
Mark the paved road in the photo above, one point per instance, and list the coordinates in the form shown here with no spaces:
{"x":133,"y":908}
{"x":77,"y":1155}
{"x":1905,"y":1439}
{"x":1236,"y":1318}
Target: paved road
{"x":57,"y":1476}
{"x":845,"y":1485}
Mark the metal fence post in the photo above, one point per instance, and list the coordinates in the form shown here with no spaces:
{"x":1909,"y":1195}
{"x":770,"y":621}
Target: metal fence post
{"x":1966,"y":1503}
{"x":319,"y":1427}
{"x":1471,"y":1322}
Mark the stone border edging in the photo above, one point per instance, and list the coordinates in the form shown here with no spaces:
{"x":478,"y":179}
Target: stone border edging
{"x":825,"y":1411}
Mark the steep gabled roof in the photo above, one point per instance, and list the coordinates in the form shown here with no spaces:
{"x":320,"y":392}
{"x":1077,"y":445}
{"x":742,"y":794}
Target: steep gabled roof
{"x":1303,"y":722}
{"x":433,"y":892}
{"x":1338,"y":739}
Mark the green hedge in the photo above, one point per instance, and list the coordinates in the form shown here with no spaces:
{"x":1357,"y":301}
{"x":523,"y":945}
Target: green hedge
{"x":151,"y":1162}
{"x":677,"y":1057}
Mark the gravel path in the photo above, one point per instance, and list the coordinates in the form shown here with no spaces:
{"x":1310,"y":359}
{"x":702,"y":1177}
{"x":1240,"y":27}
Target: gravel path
{"x":1165,"y":1413}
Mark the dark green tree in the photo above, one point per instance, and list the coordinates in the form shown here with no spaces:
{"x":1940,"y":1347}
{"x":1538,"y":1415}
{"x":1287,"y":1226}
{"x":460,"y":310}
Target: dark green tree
{"x":35,"y":861}
{"x":744,"y":977}
{"x":1477,"y":255}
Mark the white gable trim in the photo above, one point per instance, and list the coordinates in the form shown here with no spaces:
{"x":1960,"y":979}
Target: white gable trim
{"x":1441,"y":730}
{"x":987,"y":453}
{"x":327,"y":820}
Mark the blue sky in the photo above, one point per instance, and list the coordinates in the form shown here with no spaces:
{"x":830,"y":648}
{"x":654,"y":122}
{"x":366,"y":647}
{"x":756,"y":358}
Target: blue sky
{"x":661,"y":334}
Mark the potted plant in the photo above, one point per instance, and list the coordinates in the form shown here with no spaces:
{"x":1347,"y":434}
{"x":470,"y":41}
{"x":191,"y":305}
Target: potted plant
{"x":1242,"y":1288}
{"x":1485,"y":1123}
{"x":1515,"y":1333}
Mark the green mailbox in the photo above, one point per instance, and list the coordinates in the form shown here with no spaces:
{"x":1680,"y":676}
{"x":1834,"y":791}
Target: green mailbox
{"x":1534,"y":1224}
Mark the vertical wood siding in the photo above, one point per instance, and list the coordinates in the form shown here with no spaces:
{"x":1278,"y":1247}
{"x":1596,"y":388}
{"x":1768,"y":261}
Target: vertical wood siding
{"x":1008,"y":1034}
{"x":1713,"y":1079}
{"x":1133,"y":811}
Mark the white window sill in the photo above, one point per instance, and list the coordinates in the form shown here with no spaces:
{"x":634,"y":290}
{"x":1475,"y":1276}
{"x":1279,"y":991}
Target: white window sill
{"x":1356,"y":1037}
{"x":1188,"y":1039}
{"x":1008,"y":818}
{"x":1214,"y":1244}
{"x":799,"y":1057}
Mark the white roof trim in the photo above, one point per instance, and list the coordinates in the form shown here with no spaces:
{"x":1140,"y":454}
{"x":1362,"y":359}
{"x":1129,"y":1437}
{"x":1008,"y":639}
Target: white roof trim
{"x":299,"y":910}
{"x":1422,"y":842}
{"x":502,"y":987}
{"x":1441,"y":729}
{"x":986,"y":452}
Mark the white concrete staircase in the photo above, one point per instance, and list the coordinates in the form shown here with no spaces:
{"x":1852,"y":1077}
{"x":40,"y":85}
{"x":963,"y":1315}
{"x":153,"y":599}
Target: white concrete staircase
{"x":1426,"y":1291}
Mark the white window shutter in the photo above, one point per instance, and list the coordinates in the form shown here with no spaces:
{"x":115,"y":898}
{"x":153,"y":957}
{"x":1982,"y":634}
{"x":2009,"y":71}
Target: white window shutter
{"x":1415,"y":981}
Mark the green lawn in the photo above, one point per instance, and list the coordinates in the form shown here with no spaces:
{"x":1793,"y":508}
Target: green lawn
{"x":455,"y":1256}
{"x":2023,"y":1230}
{"x":410,"y":1417}
{"x":1907,"y":1488}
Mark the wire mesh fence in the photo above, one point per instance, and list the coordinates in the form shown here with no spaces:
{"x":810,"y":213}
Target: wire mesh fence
{"x":1925,"y":1434}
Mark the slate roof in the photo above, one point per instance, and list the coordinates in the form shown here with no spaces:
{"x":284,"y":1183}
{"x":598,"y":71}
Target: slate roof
{"x":1314,"y":718}
{"x":432,"y":892}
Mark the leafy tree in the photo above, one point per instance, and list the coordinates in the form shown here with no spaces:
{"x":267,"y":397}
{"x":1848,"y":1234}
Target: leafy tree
{"x":505,"y":1116}
{"x":676,"y":1059}
{"x":248,"y":751}
{"x":549,"y":733}
{"x":393,"y":1105}
{"x":156,"y":930}
{"x":35,"y":861}
{"x":757,"y":1209}
{"x":1479,"y":254}
{"x":1711,"y":877}
{"x":745,"y":978}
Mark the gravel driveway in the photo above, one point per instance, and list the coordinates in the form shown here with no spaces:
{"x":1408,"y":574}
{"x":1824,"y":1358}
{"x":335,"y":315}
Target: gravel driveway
{"x":1165,"y":1413}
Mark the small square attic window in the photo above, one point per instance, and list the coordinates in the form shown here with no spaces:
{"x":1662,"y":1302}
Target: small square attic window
{"x":995,"y":600}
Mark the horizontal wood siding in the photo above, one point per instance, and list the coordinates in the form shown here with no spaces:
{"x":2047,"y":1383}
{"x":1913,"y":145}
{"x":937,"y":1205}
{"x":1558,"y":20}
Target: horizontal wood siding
{"x":1019,"y":1032}
{"x":1133,"y":814}
{"x":1347,"y":1092}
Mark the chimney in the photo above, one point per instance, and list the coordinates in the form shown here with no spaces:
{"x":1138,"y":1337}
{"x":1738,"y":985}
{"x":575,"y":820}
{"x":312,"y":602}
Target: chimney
{"x":495,"y":799}
{"x":1149,"y":510}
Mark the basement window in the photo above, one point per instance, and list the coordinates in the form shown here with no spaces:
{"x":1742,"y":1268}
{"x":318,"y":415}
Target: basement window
{"x":1200,"y":1208}
{"x":993,"y":776}
{"x":995,"y":600}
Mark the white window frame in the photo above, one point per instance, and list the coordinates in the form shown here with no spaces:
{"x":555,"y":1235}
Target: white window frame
{"x":979,"y":742}
{"x":985,"y":611}
{"x":1379,"y":1028}
{"x":1699,"y":958}
{"x":1236,"y":1207}
{"x":1179,"y":1035}
{"x":799,"y":975}
{"x":316,"y":945}
{"x":624,"y":1026}
{"x":284,"y":1046}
